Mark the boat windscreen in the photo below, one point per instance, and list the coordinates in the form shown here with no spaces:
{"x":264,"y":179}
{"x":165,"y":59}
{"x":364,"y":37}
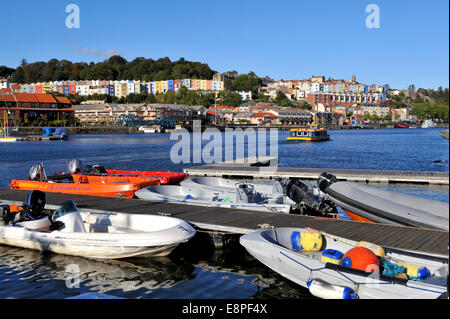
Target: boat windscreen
{"x":66,"y":208}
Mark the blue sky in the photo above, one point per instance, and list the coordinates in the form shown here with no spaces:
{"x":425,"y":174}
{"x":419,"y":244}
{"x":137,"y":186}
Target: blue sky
{"x":284,"y":39}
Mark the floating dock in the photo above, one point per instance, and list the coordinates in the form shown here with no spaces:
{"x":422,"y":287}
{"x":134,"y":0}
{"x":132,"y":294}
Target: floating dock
{"x":37,"y":138}
{"x":245,"y":170}
{"x":234,"y":221}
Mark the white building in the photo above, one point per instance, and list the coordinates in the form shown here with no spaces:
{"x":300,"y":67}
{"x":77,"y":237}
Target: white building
{"x":245,"y":95}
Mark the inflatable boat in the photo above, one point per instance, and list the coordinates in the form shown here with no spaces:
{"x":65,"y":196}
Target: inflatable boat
{"x":95,"y":235}
{"x":333,"y":267}
{"x":369,"y":204}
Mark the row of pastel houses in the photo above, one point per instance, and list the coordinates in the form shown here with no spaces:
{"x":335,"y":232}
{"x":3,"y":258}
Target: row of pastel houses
{"x":337,"y":91}
{"x":113,"y":88}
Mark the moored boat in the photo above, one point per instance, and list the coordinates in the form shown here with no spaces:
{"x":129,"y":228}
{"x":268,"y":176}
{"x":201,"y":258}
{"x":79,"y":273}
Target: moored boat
{"x":95,"y":235}
{"x":369,"y":204}
{"x":334,"y":267}
{"x":428,"y":123}
{"x":312,"y":134}
{"x":64,"y":183}
{"x":5,"y":136}
{"x":119,"y":190}
{"x":243,"y":198}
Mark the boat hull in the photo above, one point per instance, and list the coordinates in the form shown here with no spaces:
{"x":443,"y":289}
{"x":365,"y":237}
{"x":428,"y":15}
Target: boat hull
{"x":8,"y":139}
{"x":129,"y":235}
{"x":369,"y":204}
{"x":310,"y":139}
{"x":204,"y":197}
{"x":117,"y":190}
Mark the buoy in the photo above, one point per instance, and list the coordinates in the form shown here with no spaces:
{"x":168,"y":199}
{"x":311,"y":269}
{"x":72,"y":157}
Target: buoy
{"x":332,"y":256}
{"x":306,"y":241}
{"x":415,"y":271}
{"x":361,"y":258}
{"x":377,"y":250}
{"x":325,"y":290}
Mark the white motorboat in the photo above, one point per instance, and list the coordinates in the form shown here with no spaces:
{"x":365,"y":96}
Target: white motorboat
{"x":273,"y":190}
{"x":428,"y":123}
{"x":330,"y":266}
{"x":244,"y":197}
{"x":98,"y":235}
{"x":148,"y":129}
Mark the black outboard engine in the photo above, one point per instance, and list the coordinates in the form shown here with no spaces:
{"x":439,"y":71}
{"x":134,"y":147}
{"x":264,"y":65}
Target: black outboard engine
{"x":35,"y":204}
{"x":75,"y":166}
{"x":300,"y":193}
{"x":307,"y":202}
{"x":325,"y":180}
{"x":32,"y":209}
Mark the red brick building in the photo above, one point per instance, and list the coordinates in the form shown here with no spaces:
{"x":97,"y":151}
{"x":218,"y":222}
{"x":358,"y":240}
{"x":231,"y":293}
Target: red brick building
{"x":30,"y":106}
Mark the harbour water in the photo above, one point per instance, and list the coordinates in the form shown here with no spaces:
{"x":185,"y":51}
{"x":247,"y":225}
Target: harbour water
{"x":212,"y":273}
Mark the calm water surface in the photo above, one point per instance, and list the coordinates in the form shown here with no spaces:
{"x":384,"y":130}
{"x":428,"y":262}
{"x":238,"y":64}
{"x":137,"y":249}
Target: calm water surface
{"x":217,"y":273}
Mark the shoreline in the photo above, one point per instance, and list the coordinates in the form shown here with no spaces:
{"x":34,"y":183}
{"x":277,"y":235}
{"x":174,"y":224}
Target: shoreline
{"x":25,"y":131}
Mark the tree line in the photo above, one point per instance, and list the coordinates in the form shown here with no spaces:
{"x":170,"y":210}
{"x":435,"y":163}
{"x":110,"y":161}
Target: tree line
{"x":114,"y":68}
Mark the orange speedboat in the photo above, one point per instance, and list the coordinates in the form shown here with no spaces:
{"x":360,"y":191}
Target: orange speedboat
{"x":65,"y":183}
{"x":125,"y":190}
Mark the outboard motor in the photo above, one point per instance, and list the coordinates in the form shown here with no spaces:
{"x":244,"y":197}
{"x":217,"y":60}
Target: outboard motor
{"x":325,"y":180}
{"x":32,"y":211}
{"x":35,"y":204}
{"x":37,"y":173}
{"x":300,"y":193}
{"x":75,"y":166}
{"x":308,"y":202}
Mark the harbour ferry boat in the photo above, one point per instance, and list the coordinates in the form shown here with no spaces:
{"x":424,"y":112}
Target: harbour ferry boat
{"x":312,"y":134}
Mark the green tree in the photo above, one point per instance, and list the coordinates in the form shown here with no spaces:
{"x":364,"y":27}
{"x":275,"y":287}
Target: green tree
{"x":5,"y":71}
{"x":18,"y":76}
{"x":282,"y":100}
{"x":245,"y":82}
{"x":229,"y":98}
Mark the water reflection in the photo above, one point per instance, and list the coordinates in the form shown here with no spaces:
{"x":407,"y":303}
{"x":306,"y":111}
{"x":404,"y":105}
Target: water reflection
{"x":228,"y":272}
